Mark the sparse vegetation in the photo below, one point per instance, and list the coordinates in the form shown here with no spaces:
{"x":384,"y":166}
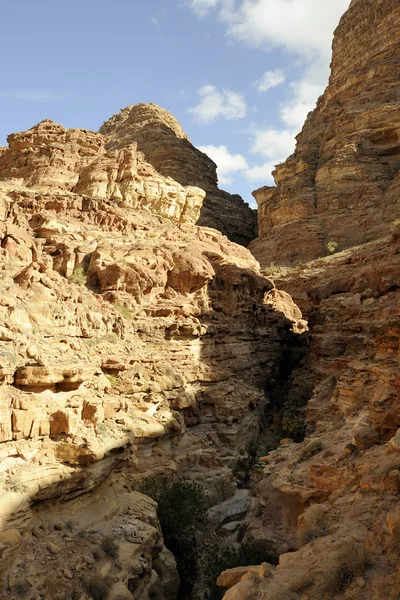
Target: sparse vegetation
{"x":244,"y":466}
{"x":332,"y":247}
{"x":109,"y":547}
{"x":16,"y":484}
{"x":96,"y":588}
{"x":78,"y":276}
{"x":293,"y":428}
{"x":315,"y":523}
{"x":213,"y":560}
{"x":351,"y":561}
{"x":310,"y":450}
{"x":182,"y":509}
{"x":113,"y":380}
{"x":123,"y":310}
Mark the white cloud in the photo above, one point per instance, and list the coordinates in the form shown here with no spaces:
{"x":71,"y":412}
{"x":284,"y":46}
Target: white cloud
{"x":226,"y":162}
{"x":217,"y":103}
{"x":269,"y":80}
{"x":202,"y":7}
{"x":301,"y":28}
{"x":273,"y":145}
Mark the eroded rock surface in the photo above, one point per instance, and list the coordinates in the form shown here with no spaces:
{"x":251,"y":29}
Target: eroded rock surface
{"x":165,"y":145}
{"x":130,"y":344}
{"x":50,"y":157}
{"x":341,"y":184}
{"x":334,"y":497}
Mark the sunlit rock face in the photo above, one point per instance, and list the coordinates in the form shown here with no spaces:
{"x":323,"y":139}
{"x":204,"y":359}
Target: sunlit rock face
{"x":51,"y":157}
{"x":132,"y":343}
{"x":165,"y":145}
{"x":341,"y":184}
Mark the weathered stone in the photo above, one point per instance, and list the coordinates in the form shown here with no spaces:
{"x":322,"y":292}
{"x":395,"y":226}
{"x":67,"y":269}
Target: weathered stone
{"x":341,"y":185}
{"x":165,"y":146}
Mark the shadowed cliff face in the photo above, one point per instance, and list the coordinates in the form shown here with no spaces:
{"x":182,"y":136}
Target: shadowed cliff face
{"x":132,"y":342}
{"x":161,"y":138}
{"x":341,"y":184}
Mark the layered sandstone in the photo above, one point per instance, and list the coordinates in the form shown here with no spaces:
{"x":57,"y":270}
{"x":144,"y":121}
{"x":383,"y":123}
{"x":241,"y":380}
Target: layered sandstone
{"x":51,"y":157}
{"x":329,"y":505}
{"x":165,"y":145}
{"x":340,"y":185}
{"x":131,"y":344}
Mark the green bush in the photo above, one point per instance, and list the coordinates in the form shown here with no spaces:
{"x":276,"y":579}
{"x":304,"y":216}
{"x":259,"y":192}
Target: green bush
{"x":182,"y":509}
{"x":310,"y":450}
{"x":109,"y":547}
{"x":244,"y":466}
{"x":293,"y":428}
{"x":96,"y":588}
{"x":213,"y":560}
{"x":78,"y":276}
{"x":331,"y":247}
{"x":351,"y":561}
{"x":123,"y":310}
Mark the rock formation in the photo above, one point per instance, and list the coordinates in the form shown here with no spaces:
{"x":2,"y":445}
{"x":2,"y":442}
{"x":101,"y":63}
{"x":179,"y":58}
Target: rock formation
{"x":131,"y":344}
{"x":328,"y":505}
{"x":334,"y":497}
{"x":341,"y":185}
{"x":50,"y":157}
{"x":165,"y":145}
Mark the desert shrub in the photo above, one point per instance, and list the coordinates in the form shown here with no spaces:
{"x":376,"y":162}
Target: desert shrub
{"x":213,"y":559}
{"x":293,"y":428}
{"x":331,"y":247}
{"x":123,"y":310}
{"x":96,"y":588}
{"x":243,"y":468}
{"x":78,"y":276}
{"x":113,"y":380}
{"x":351,"y":561}
{"x":109,"y":547}
{"x":310,"y":450}
{"x":395,"y":229}
{"x":16,"y":484}
{"x":21,"y":589}
{"x":315,"y":523}
{"x":182,"y":510}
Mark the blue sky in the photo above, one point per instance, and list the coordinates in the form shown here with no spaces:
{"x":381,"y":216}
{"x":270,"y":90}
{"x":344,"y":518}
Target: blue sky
{"x":240,"y":75}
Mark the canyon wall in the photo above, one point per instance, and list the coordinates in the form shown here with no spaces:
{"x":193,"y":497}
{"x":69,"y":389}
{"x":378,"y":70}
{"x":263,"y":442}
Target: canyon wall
{"x":165,"y":145}
{"x":329,"y":505}
{"x":341,"y":184}
{"x":131,"y":344}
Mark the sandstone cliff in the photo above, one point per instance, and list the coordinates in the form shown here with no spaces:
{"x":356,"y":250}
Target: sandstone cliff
{"x":130,"y":344}
{"x":329,"y":506}
{"x":340,"y":186}
{"x":165,"y":145}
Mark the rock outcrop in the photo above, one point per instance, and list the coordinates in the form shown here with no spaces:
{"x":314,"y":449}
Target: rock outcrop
{"x":341,"y":185}
{"x":130,"y":344}
{"x":329,"y":506}
{"x":50,"y":157}
{"x":165,"y":145}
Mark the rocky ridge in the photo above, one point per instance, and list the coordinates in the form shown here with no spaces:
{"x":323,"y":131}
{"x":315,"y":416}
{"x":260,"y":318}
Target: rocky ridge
{"x":165,"y":145}
{"x":341,"y":185}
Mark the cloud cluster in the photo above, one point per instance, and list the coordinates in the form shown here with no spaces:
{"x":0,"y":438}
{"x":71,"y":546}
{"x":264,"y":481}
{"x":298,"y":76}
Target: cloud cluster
{"x":226,"y":162}
{"x":215,"y":103}
{"x":269,"y":80}
{"x":301,"y":28}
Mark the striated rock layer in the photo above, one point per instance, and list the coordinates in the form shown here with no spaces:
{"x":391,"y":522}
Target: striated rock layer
{"x":130,"y":344}
{"x":330,"y":505}
{"x":165,"y":145}
{"x":341,"y":184}
{"x":51,"y":157}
